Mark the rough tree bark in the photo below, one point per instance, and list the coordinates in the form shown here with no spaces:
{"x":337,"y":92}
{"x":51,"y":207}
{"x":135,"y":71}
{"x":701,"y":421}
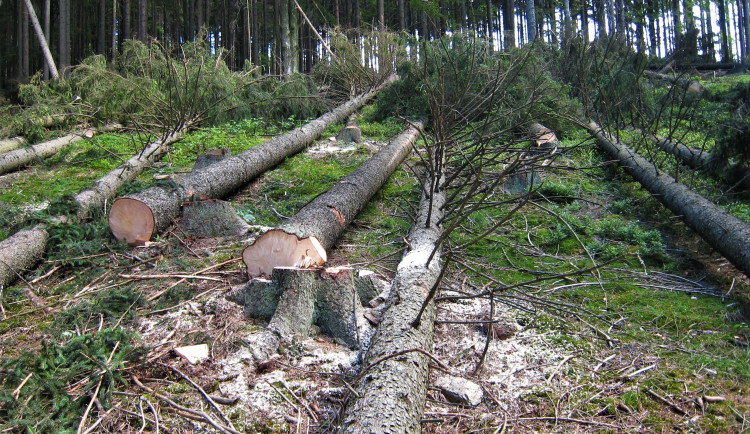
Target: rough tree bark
{"x":701,"y":160}
{"x":23,"y":249}
{"x":14,"y":160}
{"x":724,"y":232}
{"x":392,"y":390}
{"x":42,"y":39}
{"x":306,"y":294}
{"x":323,"y":220}
{"x":137,"y":217}
{"x":7,"y":145}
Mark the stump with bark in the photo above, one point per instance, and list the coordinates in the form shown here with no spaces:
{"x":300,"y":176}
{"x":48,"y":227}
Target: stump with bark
{"x":137,"y":217}
{"x":724,"y":232}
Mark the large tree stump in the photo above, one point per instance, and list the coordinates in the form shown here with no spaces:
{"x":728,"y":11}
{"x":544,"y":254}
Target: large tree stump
{"x":159,"y":205}
{"x":304,"y":238}
{"x":211,"y":218}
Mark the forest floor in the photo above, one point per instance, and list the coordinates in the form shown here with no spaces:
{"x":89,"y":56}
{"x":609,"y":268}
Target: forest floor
{"x":654,"y":340}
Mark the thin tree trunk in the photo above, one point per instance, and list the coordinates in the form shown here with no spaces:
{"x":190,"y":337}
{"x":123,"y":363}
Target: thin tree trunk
{"x":509,"y":24}
{"x":724,"y":232}
{"x":726,"y":53}
{"x":490,"y":30}
{"x":401,"y":15}
{"x":381,"y":15}
{"x":142,"y":21}
{"x":14,"y":160}
{"x":125,"y":28}
{"x":114,"y":28}
{"x":746,"y":7}
{"x":531,"y":20}
{"x":46,"y":19}
{"x":101,"y":40}
{"x":392,"y":388}
{"x":50,"y":62}
{"x":585,"y":21}
{"x":25,"y":43}
{"x":136,"y":218}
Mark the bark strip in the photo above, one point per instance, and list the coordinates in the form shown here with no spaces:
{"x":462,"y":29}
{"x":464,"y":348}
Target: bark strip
{"x":724,"y":232}
{"x":325,"y":218}
{"x":18,"y":158}
{"x":222,"y":178}
{"x":391,"y":395}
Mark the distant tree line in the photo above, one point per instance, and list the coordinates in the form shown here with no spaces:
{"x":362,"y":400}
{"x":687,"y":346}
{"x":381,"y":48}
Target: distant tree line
{"x":283,"y":36}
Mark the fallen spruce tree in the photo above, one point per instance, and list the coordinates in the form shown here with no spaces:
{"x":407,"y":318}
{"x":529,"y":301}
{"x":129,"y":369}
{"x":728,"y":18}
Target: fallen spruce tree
{"x":724,"y":232}
{"x":24,"y":249}
{"x":14,"y":160}
{"x":136,"y":218}
{"x":391,"y":389}
{"x":702,"y":160}
{"x":298,"y":294}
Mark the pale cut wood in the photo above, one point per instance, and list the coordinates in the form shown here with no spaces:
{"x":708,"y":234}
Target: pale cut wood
{"x":18,"y":158}
{"x":326,"y":217}
{"x":727,"y":234}
{"x":224,"y":177}
{"x":125,"y":218}
{"x":277,"y":248}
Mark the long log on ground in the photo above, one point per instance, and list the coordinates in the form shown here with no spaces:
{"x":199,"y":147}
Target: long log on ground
{"x":701,"y":160}
{"x":724,"y":232}
{"x":392,"y":389}
{"x":7,"y":145}
{"x":24,"y":249}
{"x":137,"y":217}
{"x":316,"y":227}
{"x":692,"y":86}
{"x":302,"y":241}
{"x":14,"y":160}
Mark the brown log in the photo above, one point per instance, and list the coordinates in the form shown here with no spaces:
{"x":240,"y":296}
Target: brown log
{"x":18,"y":158}
{"x":724,"y":232}
{"x":159,"y":205}
{"x":391,"y":394}
{"x":323,"y":220}
{"x":7,"y":145}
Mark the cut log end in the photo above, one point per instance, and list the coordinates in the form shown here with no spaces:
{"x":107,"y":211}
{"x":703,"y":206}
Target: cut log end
{"x":132,"y":221}
{"x":277,"y":248}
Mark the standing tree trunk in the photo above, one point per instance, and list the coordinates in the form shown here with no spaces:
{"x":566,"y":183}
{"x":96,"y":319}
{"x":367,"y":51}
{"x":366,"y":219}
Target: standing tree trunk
{"x":490,"y":30}
{"x":101,"y":39}
{"x":46,"y":18}
{"x":509,"y":24}
{"x":531,"y":20}
{"x":726,"y":53}
{"x":125,"y":28}
{"x":25,"y":43}
{"x":724,"y":232}
{"x":142,"y":21}
{"x":401,"y":15}
{"x":392,"y":388}
{"x":136,"y":218}
{"x":284,"y":35}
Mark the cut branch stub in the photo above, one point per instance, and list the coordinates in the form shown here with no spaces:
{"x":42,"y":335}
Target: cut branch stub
{"x":277,"y":248}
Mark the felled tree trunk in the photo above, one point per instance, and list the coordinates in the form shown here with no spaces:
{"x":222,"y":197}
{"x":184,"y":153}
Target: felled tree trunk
{"x":701,"y":160}
{"x":692,"y":86}
{"x":724,"y":232}
{"x":392,"y":391}
{"x":7,"y":145}
{"x":106,"y":187}
{"x":137,"y":217}
{"x":14,"y":160}
{"x":26,"y":248}
{"x":316,"y":227}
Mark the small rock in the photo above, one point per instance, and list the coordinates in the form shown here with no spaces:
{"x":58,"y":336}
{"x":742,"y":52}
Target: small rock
{"x":459,"y":390}
{"x":193,"y":353}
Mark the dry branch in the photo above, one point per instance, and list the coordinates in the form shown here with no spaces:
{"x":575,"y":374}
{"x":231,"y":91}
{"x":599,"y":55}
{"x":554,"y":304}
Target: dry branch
{"x":14,"y":160}
{"x":724,"y":232}
{"x":138,"y":217}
